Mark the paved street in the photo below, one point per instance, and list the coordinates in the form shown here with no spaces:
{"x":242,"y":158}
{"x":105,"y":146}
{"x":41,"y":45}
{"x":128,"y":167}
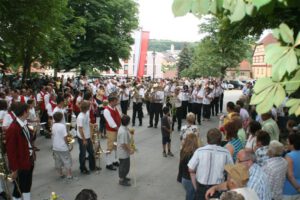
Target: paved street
{"x":156,"y":175}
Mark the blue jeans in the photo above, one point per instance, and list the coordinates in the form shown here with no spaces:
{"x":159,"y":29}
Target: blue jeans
{"x":82,"y":152}
{"x":189,"y":189}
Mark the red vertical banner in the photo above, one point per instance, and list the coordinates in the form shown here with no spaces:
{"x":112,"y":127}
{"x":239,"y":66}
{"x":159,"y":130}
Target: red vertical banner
{"x":143,"y":55}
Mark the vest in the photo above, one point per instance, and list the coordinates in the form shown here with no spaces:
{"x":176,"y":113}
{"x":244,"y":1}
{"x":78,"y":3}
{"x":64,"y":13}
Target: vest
{"x":53,"y":105}
{"x":116,"y":117}
{"x":43,"y":106}
{"x":22,"y":99}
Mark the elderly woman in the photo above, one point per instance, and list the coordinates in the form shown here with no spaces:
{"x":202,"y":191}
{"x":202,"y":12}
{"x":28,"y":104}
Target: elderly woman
{"x":253,"y":127}
{"x":190,"y":127}
{"x":275,"y":168}
{"x":291,"y":189}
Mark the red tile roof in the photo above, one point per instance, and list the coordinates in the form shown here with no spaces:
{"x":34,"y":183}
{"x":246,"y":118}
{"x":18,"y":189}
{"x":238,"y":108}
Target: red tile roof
{"x":268,"y":39}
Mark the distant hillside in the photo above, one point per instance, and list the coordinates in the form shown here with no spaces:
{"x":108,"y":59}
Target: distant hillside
{"x":164,"y":45}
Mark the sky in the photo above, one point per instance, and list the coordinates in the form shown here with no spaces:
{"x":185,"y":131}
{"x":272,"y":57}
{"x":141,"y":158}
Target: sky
{"x":157,"y":17}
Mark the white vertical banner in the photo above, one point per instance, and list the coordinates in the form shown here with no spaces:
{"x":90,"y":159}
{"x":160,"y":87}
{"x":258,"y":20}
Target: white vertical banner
{"x":137,"y":51}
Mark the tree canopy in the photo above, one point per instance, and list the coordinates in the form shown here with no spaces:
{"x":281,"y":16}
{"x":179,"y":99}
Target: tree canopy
{"x":252,"y":17}
{"x":66,"y":34}
{"x":218,"y":51}
{"x":107,"y":37}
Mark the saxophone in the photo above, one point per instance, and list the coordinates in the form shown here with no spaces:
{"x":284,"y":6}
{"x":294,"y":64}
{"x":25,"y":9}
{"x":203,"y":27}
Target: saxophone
{"x":70,"y":138}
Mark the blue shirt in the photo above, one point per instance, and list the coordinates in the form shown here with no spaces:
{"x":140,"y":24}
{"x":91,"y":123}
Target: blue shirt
{"x":288,"y":188}
{"x":258,"y":181}
{"x":237,"y":146}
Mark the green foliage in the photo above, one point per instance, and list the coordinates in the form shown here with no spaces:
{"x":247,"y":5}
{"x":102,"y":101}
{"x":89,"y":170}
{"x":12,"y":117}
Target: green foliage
{"x":218,"y":51}
{"x":185,"y":59}
{"x":253,"y":17}
{"x":108,"y":27}
{"x":34,"y":30}
{"x":164,"y":45}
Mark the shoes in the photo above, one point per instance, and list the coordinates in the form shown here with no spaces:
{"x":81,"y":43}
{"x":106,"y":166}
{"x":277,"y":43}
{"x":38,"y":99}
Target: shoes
{"x":3,"y":195}
{"x":150,"y":126}
{"x":85,"y":171}
{"x":111,"y":167}
{"x":36,"y":149}
{"x":170,"y":154}
{"x":140,"y":124}
{"x":155,"y":126}
{"x":62,"y":176}
{"x":127,"y":179}
{"x":116,"y":164}
{"x":124,"y":183}
{"x":164,"y":154}
{"x":97,"y":169}
{"x":71,"y":178}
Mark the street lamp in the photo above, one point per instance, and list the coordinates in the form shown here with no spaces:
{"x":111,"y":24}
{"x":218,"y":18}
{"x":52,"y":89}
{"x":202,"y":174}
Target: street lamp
{"x":154,"y":67}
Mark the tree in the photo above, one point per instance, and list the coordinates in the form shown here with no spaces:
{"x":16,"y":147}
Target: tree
{"x":34,"y":30}
{"x":217,"y":51}
{"x":284,"y":56}
{"x":164,"y":45}
{"x":185,"y":59}
{"x":108,"y":27}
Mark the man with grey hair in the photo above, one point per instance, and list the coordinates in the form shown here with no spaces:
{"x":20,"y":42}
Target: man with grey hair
{"x":258,"y":180}
{"x":276,"y":168}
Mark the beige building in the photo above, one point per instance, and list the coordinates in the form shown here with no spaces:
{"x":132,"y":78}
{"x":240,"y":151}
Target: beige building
{"x":259,"y":67}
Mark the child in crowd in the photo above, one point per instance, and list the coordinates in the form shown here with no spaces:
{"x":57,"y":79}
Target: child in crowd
{"x":124,"y":150}
{"x":61,"y":152}
{"x":166,"y":132}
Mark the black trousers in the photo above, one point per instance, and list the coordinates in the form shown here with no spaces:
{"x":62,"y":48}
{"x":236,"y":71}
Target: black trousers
{"x":221,"y":102}
{"x":124,"y":107}
{"x":184,"y":105}
{"x":212,"y":107}
{"x":124,"y":167}
{"x":137,"y":109}
{"x":148,"y":107}
{"x":206,"y":111}
{"x":201,"y":191}
{"x":156,"y":110}
{"x":177,"y":117}
{"x":197,"y":110}
{"x":82,"y":152}
{"x":24,"y":181}
{"x":216,"y":105}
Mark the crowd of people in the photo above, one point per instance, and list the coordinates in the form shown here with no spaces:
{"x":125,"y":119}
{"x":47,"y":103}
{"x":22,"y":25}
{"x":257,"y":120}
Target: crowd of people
{"x":266,"y":153}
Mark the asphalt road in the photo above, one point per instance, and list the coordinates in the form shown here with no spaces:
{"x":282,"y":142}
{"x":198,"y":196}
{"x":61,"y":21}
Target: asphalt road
{"x":155,"y":175}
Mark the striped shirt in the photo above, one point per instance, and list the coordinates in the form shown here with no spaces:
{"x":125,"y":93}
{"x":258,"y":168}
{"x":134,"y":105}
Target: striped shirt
{"x":259,"y":182}
{"x":209,"y":162}
{"x":276,"y":169}
{"x":237,"y":146}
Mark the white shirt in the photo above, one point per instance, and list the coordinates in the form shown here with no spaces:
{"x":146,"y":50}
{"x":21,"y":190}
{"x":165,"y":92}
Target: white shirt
{"x":207,"y":98}
{"x":32,"y":114}
{"x":59,"y":132}
{"x":7,"y":120}
{"x":2,"y":114}
{"x":47,"y":98}
{"x":57,"y":109}
{"x":159,"y":97}
{"x":123,"y":138}
{"x":111,"y":122}
{"x":185,"y":96}
{"x":209,"y":162}
{"x":125,"y":95}
{"x":83,"y":120}
{"x":199,"y":96}
{"x":49,"y":109}
{"x":244,"y":114}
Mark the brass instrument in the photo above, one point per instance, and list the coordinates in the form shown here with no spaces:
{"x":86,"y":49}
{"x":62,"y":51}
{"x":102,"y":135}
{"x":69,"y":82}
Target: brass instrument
{"x":97,"y":145}
{"x":70,"y":138}
{"x":4,"y":170}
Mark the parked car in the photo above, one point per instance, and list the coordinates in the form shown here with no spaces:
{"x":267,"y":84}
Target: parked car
{"x":227,"y":86}
{"x":237,"y":84}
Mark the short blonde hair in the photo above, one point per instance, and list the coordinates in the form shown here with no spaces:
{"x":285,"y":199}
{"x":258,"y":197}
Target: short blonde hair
{"x":190,"y":118}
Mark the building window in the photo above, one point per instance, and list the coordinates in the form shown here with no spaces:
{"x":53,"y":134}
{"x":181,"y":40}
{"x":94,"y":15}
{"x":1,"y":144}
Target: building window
{"x":126,"y":67}
{"x":242,"y":74}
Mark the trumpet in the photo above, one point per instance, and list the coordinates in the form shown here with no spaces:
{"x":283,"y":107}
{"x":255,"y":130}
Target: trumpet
{"x":70,"y":138}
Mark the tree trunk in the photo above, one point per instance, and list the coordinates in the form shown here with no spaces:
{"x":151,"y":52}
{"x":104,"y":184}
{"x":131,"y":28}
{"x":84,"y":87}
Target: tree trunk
{"x":223,"y":72}
{"x":26,"y":68}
